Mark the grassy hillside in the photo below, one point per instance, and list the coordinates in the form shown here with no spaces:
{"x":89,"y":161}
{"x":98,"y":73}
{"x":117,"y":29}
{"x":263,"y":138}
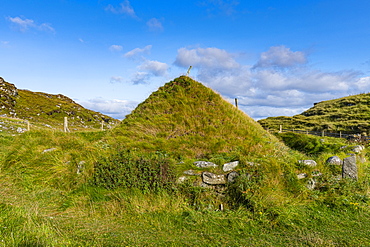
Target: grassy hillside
{"x":347,"y":114}
{"x":119,"y":187}
{"x":44,"y":110}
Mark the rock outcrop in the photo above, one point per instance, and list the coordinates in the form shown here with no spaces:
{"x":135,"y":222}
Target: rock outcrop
{"x":310,"y":163}
{"x":349,"y":168}
{"x":8,"y":94}
{"x":204,"y":164}
{"x":334,"y":160}
{"x":230,"y":166}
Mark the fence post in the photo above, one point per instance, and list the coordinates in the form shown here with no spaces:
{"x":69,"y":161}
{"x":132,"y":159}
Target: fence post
{"x":66,"y":124}
{"x":236,"y":102}
{"x":102,"y":124}
{"x":340,"y":134}
{"x":28,"y":125}
{"x":281,"y":128}
{"x":323,"y":133}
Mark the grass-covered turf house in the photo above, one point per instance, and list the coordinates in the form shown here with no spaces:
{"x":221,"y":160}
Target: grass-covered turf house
{"x":119,"y":187}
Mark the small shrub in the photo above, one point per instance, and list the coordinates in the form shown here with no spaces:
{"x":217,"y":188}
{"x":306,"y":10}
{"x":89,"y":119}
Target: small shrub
{"x":128,"y":169}
{"x":243,"y":191}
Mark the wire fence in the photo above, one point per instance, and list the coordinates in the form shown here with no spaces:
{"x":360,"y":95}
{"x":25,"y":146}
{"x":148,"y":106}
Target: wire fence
{"x":346,"y":135}
{"x":17,"y":125}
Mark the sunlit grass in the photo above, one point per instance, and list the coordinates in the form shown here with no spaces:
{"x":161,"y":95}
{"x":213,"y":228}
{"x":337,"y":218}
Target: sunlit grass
{"x":51,"y":194}
{"x":347,"y":114}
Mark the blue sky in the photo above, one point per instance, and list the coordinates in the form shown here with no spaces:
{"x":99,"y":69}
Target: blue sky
{"x":276,"y":57}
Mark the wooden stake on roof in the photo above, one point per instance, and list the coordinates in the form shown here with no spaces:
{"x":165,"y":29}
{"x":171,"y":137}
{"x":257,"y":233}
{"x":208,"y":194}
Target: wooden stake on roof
{"x":187,"y":73}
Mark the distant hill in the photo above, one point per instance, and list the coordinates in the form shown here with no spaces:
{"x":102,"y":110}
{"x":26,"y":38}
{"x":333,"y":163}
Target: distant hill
{"x":191,"y":120}
{"x":348,"y":114}
{"x":44,"y":110}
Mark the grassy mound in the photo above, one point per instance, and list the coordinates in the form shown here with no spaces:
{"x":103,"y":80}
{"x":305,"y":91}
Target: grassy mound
{"x":347,"y":114}
{"x":188,"y":119}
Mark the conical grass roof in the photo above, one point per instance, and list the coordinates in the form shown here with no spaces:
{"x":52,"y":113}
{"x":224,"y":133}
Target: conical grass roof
{"x":187,"y":118}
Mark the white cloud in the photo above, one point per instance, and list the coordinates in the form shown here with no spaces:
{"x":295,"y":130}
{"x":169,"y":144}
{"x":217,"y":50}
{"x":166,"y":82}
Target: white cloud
{"x":319,"y":81}
{"x":305,"y":80}
{"x":282,"y":57}
{"x":46,"y":27}
{"x":154,"y":25}
{"x":124,"y":8}
{"x":224,"y":7}
{"x":116,"y":79}
{"x":154,"y":67}
{"x":227,"y":81}
{"x":115,"y":48}
{"x":114,"y":108}
{"x":147,"y":70}
{"x":363,"y":84}
{"x":23,"y":24}
{"x":277,"y":87}
{"x":271,"y":79}
{"x":140,"y":77}
{"x":261,"y":112}
{"x":205,"y":58}
{"x":136,"y":51}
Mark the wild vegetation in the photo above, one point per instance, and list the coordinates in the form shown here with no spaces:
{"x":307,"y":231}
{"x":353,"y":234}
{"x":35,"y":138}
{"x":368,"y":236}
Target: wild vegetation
{"x":347,"y":114}
{"x":44,"y":110}
{"x":119,"y":187}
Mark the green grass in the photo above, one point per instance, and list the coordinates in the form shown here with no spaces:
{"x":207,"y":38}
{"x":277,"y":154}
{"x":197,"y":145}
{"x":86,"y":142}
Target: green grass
{"x":35,"y":213}
{"x":118,"y":187}
{"x":347,"y":114}
{"x":310,"y":144}
{"x":185,"y":117}
{"x":45,"y":111}
{"x":134,"y":219}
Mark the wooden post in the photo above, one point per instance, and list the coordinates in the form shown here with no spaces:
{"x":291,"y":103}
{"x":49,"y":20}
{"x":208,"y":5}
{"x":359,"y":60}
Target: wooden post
{"x":187,"y":73}
{"x":236,"y":102}
{"x":66,"y":124}
{"x":323,"y":133}
{"x":28,"y":125}
{"x":340,"y":134}
{"x":102,"y":124}
{"x":280,"y":128}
